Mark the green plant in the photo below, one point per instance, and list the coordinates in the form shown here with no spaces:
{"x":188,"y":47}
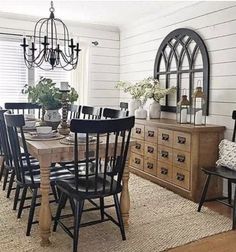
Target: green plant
{"x":145,"y":89}
{"x":47,"y":95}
{"x":73,"y":96}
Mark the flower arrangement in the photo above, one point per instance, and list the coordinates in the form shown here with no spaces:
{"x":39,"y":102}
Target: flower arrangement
{"x":155,"y":91}
{"x":148,"y":88}
{"x":137,"y":90}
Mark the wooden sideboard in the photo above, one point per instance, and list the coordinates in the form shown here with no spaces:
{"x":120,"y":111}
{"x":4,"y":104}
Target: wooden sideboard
{"x":172,"y":155}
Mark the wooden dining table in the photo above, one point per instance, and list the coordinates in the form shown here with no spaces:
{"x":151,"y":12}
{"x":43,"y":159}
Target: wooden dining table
{"x":53,"y":151}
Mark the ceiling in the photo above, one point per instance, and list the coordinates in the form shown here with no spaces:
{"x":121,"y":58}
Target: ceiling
{"x":112,"y":13}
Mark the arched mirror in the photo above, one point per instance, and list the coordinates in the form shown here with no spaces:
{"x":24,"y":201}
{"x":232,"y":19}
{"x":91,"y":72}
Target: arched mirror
{"x":182,"y":60}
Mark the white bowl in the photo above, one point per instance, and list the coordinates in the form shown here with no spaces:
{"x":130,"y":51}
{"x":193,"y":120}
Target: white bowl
{"x":44,"y":129}
{"x":30,"y":124}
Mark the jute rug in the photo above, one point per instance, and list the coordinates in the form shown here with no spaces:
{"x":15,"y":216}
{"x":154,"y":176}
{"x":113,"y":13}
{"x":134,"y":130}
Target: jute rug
{"x":159,"y":219}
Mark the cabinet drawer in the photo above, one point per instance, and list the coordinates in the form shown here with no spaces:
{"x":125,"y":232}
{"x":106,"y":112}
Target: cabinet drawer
{"x":136,"y":161}
{"x":181,"y":159}
{"x":138,"y":131}
{"x":182,"y":141}
{"x":151,"y":134}
{"x":138,"y":147}
{"x":164,"y":154}
{"x":150,"y":150}
{"x":150,"y":166}
{"x":165,"y":137}
{"x":164,"y":171}
{"x":181,"y":178}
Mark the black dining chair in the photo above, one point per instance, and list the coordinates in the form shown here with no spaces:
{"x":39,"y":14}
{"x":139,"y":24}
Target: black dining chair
{"x":88,"y":112}
{"x":124,"y":106}
{"x":27,"y":174}
{"x":114,"y":113}
{"x":224,"y":173}
{"x":24,"y":108}
{"x":73,"y":111}
{"x":101,"y":182}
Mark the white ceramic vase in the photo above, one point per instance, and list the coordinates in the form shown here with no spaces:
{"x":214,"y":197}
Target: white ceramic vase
{"x":140,"y":113}
{"x":52,"y":118}
{"x":133,"y":105}
{"x":155,"y":110}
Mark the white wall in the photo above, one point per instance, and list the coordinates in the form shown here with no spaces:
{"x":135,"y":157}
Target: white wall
{"x":103,"y":61}
{"x":215,"y":22}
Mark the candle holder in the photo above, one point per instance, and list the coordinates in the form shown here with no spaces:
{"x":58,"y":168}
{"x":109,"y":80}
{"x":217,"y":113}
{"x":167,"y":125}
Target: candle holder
{"x":64,"y":130}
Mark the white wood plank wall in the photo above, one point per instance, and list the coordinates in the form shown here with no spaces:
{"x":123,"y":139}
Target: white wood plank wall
{"x":215,"y":22}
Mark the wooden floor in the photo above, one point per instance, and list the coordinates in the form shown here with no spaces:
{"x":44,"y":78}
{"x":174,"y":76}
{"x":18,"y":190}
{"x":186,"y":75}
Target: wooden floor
{"x":225,"y":242}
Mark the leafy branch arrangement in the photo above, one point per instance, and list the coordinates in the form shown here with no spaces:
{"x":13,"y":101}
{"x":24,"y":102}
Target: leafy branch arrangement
{"x":148,"y":88}
{"x":47,"y":95}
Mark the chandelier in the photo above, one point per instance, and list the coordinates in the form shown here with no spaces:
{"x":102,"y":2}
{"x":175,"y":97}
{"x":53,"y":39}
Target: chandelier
{"x":48,"y":49}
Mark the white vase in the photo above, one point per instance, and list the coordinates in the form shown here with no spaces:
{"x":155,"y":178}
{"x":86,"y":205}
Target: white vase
{"x":155,"y":110}
{"x":133,"y":105}
{"x":140,"y":113}
{"x":52,"y":118}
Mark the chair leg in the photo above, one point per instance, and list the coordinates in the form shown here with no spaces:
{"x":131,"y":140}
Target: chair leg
{"x":204,"y":192}
{"x":16,"y":198}
{"x":102,"y":208}
{"x":54,"y":191}
{"x":119,"y":217}
{"x":5,"y":179}
{"x":234,"y":210}
{"x":2,"y":169}
{"x":11,"y":181}
{"x":229,"y":191}
{"x":78,"y":214}
{"x":22,"y":202}
{"x":61,"y":204}
{"x":31,"y":212}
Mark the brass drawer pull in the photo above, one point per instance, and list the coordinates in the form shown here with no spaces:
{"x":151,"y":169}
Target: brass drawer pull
{"x":138,"y":146}
{"x":181,"y":158}
{"x":164,"y":154}
{"x":150,"y":149}
{"x":137,"y":161}
{"x":138,"y":130}
{"x":151,"y":133}
{"x":164,"y":171}
{"x":180,"y":177}
{"x":181,"y":140}
{"x":150,"y":165}
{"x":165,"y":137}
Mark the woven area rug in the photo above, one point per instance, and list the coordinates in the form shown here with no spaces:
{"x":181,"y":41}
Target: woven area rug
{"x":159,"y":219}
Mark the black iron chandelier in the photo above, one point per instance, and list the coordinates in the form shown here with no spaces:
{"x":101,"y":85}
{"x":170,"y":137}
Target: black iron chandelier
{"x":49,"y":50}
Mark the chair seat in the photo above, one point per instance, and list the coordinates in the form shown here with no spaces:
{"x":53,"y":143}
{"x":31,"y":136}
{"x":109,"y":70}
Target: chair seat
{"x":86,"y":188}
{"x":56,"y":173}
{"x":221,"y":171}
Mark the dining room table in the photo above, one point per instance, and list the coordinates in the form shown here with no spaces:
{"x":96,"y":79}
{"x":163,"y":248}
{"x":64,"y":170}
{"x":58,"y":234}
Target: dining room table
{"x":56,"y":150}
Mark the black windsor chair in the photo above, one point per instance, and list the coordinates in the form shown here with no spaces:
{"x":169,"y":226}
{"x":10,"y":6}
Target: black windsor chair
{"x":88,"y":112}
{"x":124,"y":106}
{"x":73,"y":111}
{"x":114,"y":113}
{"x":104,"y":180}
{"x":224,"y":173}
{"x":27,"y":177}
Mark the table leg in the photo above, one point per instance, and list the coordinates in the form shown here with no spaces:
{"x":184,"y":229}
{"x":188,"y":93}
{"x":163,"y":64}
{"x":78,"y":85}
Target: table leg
{"x":124,"y":198}
{"x":45,"y":217}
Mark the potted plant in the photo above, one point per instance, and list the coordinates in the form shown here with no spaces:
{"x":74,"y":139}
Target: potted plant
{"x":49,"y":97}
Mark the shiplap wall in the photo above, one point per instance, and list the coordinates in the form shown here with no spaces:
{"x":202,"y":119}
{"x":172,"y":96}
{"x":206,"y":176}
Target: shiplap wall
{"x":103,"y":59}
{"x":215,"y":22}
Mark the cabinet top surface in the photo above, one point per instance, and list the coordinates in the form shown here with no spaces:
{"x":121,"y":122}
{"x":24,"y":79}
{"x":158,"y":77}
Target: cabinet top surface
{"x":172,"y":124}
